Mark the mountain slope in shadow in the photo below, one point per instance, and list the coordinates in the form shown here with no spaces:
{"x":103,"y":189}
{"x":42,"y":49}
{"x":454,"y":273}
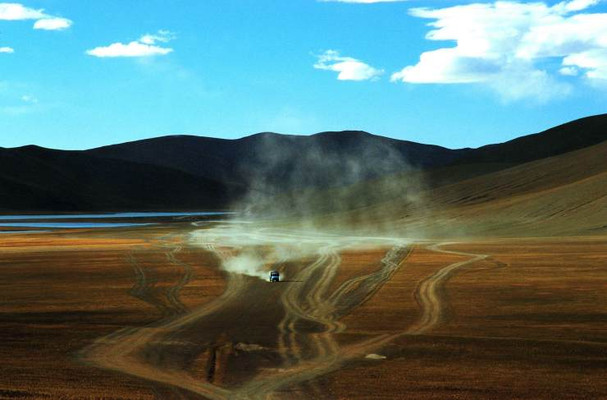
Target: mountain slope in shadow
{"x":273,"y":154}
{"x":560,"y":195}
{"x":193,"y":173}
{"x":35,"y":179}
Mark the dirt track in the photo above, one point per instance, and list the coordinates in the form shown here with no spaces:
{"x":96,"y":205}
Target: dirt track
{"x":152,"y":316}
{"x":428,"y":291}
{"x":298,"y":321}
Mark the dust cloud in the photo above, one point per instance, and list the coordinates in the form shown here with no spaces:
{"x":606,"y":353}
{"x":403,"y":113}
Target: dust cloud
{"x":309,"y":199}
{"x":316,"y":182}
{"x":254,"y":250}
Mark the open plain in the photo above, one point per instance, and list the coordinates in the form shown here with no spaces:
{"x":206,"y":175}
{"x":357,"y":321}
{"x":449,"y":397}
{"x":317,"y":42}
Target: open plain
{"x":292,"y":200}
{"x":163,"y":312}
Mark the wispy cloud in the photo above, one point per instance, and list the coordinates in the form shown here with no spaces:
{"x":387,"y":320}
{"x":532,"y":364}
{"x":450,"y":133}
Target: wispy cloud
{"x":146,"y":46}
{"x":162,"y":36}
{"x":26,"y":98}
{"x":19,"y":12}
{"x":507,"y":46}
{"x":53,"y":24}
{"x":6,"y":50}
{"x":348,"y":68}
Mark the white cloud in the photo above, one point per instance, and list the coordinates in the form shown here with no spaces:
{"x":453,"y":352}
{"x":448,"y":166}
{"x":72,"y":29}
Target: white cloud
{"x":53,"y":24}
{"x":18,"y":12}
{"x":145,"y":46}
{"x":132,"y":49}
{"x":511,"y":47}
{"x":7,"y":50}
{"x":518,"y":82}
{"x":569,"y":71}
{"x":594,"y":61}
{"x":446,"y":66}
{"x":348,"y":68}
{"x":577,"y":5}
{"x":162,"y":36}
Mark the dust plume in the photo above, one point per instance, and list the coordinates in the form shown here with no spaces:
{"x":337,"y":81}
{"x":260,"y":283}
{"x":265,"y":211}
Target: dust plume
{"x":245,"y":263}
{"x":255,"y":249}
{"x":316,"y":198}
{"x":334,"y":180}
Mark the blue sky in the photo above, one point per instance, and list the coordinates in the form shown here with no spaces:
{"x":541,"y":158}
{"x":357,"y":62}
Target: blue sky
{"x":79,"y":74}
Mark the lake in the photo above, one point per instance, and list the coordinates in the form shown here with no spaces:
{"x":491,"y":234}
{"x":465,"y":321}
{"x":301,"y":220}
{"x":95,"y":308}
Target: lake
{"x":76,"y":221}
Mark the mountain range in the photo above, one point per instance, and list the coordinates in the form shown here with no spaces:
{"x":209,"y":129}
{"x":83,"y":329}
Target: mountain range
{"x":196,"y":173}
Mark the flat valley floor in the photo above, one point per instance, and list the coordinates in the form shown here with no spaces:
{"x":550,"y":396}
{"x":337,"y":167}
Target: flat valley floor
{"x":151,"y":313}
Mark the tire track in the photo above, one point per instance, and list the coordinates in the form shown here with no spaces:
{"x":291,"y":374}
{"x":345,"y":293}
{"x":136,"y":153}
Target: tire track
{"x":431,"y":305}
{"x":328,"y":355}
{"x":120,"y":351}
{"x":305,"y":355}
{"x":428,"y":291}
{"x":144,"y":288}
{"x":173,"y":292}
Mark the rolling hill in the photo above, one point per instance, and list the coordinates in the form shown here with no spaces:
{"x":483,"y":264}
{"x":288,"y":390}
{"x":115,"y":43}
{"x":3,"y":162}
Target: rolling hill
{"x":564,"y":194}
{"x":276,"y":157}
{"x":189,"y":172}
{"x":35,"y":179}
{"x":553,"y":182}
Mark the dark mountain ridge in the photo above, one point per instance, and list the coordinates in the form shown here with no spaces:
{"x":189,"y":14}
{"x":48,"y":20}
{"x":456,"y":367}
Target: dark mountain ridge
{"x":191,"y":172}
{"x":571,"y":136}
{"x":233,"y":160}
{"x":36,"y":179}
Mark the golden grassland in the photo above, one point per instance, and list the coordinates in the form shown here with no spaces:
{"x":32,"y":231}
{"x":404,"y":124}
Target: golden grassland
{"x":526,"y":322}
{"x":61,"y":292}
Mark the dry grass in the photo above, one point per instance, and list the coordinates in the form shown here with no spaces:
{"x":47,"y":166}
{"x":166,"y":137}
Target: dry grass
{"x":527,"y":323}
{"x":59,"y":294}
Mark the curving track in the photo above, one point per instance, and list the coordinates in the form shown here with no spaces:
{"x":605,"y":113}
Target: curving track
{"x":428,"y":291}
{"x":291,"y":326}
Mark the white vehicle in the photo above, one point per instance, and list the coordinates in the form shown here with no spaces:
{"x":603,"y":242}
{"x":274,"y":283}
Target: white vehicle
{"x":274,"y":276}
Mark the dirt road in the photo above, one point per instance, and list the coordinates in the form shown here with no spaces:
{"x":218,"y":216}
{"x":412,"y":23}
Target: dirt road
{"x":260,"y":340}
{"x":428,"y":291}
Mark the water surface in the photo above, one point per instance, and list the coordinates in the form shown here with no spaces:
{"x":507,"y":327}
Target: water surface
{"x":68,"y":224}
{"x":110,"y":215}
